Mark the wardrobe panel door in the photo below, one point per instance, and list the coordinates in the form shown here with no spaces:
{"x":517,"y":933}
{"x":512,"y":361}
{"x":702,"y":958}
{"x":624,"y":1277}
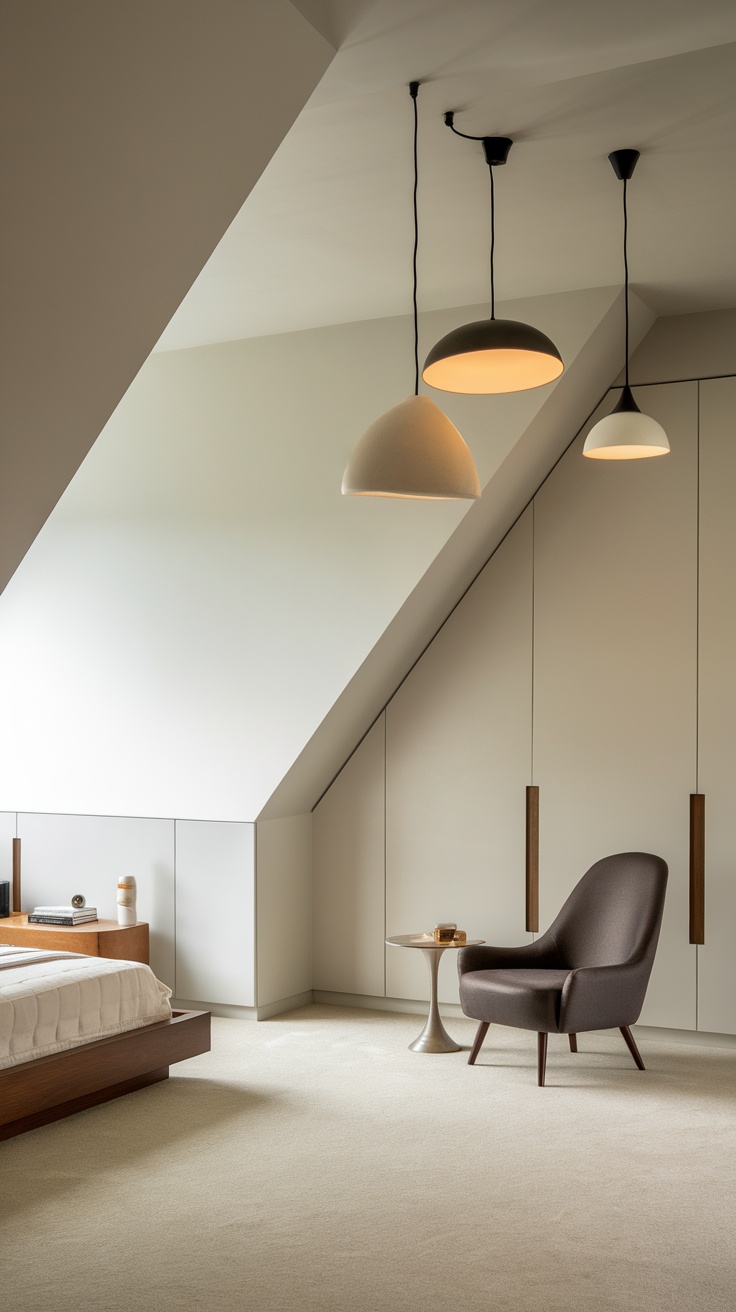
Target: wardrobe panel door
{"x":458,"y":759}
{"x":68,"y":854}
{"x":215,"y":912}
{"x":717,"y":702}
{"x":615,"y":675}
{"x":349,"y":874}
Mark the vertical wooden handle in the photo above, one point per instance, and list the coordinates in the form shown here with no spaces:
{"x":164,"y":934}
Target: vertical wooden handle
{"x":16,"y":874}
{"x":532,"y":859}
{"x":697,"y":868}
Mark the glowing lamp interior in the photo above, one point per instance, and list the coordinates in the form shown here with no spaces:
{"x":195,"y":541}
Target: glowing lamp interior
{"x":493,"y":371}
{"x":626,"y":452}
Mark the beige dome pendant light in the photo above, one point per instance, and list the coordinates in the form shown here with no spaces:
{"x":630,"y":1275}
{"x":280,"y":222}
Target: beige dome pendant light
{"x":413,"y":450}
{"x":626,"y":434}
{"x":492,"y":355}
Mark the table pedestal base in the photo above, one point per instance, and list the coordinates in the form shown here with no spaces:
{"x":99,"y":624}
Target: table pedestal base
{"x":434,"y":1036}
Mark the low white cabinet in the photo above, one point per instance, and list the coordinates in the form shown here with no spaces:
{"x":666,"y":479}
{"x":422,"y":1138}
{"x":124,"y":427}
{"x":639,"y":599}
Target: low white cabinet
{"x":195,"y":886}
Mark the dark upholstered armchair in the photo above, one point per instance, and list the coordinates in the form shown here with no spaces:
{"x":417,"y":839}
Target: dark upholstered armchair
{"x":588,"y":972}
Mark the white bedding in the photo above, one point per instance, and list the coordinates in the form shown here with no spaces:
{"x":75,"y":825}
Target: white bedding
{"x":50,"y":1001}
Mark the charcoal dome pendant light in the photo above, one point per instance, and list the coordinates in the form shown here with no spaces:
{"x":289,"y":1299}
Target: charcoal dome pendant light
{"x":413,"y":450}
{"x":492,"y":355}
{"x":626,"y":434}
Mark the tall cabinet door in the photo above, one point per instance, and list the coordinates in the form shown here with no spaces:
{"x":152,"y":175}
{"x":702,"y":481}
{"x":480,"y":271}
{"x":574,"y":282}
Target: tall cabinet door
{"x":717,"y":702}
{"x":215,"y":912}
{"x":458,"y":757}
{"x":615,"y":675}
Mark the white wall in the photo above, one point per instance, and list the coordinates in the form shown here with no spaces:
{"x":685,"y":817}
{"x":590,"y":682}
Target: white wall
{"x":202,"y":594}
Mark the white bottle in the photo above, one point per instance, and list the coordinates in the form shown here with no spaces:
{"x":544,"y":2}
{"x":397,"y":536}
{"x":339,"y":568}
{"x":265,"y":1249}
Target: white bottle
{"x":126,"y":900}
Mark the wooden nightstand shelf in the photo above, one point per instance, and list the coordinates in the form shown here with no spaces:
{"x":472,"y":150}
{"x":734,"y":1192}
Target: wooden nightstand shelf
{"x":100,"y":938}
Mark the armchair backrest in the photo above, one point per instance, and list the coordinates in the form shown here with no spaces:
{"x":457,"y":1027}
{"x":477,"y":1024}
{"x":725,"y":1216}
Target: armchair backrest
{"x":614,"y":913}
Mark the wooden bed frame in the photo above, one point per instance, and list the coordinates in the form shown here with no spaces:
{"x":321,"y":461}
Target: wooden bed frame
{"x":49,"y":1088}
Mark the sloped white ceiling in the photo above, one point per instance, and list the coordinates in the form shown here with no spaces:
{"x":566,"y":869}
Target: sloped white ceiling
{"x":325,"y":237}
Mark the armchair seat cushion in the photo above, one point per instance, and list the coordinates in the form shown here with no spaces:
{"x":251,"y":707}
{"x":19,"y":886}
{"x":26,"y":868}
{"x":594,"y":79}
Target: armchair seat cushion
{"x":525,"y":998}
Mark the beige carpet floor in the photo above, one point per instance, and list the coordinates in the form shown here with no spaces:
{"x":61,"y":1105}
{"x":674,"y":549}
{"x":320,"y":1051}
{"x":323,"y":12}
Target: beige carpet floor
{"x":313,"y":1162}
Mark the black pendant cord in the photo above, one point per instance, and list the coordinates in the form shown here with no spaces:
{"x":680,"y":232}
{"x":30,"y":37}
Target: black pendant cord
{"x":496,"y":151}
{"x":623,"y":163}
{"x":493,"y":243}
{"x":626,"y":285}
{"x":413,"y":90}
{"x":450,"y":123}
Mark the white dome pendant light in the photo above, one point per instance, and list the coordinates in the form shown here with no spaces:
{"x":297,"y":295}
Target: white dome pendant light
{"x":492,"y":355}
{"x":412,"y":451}
{"x":626,"y":434}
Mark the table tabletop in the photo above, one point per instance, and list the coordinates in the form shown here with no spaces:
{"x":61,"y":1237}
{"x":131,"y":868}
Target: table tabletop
{"x":428,"y":941}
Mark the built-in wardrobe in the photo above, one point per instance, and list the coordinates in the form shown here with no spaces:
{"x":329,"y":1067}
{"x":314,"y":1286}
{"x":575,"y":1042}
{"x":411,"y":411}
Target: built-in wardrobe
{"x":593,"y":659}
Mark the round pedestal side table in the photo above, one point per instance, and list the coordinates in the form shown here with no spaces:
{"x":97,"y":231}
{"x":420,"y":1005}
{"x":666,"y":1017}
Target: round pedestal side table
{"x":434,"y":1036}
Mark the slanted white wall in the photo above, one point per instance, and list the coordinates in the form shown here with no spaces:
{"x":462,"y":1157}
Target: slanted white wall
{"x":202,"y":594}
{"x":135,"y":133}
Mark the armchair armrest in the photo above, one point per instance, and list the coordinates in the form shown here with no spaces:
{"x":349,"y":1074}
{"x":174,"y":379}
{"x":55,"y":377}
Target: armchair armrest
{"x":538,"y":955}
{"x":603,"y":997}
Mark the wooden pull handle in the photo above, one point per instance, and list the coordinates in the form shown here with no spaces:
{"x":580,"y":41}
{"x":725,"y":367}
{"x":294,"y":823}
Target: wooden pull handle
{"x":16,"y":875}
{"x":697,"y":868}
{"x":532,"y":859}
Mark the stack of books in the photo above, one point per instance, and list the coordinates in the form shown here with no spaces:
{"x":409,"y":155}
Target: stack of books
{"x":62,"y":915}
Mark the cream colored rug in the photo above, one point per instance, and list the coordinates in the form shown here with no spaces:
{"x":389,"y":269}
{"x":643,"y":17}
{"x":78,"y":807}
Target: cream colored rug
{"x":313,"y":1162}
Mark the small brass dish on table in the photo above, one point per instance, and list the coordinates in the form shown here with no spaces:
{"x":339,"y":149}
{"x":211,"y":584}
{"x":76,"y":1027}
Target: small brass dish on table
{"x":444,"y":933}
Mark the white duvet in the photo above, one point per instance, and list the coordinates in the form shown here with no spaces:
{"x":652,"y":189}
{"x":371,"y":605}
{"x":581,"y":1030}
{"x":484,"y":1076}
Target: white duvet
{"x":50,"y":1001}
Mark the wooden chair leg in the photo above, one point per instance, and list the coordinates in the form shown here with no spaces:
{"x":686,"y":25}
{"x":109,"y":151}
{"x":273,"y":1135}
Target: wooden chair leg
{"x":541,"y":1058}
{"x":573,"y":1042}
{"x":631,"y":1045}
{"x":482,"y":1031}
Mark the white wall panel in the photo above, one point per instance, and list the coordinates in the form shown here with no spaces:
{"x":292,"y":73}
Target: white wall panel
{"x":284,"y":908}
{"x":67,"y":854}
{"x":215,"y":912}
{"x":349,"y":874}
{"x":458,"y":759}
{"x":615,"y":675}
{"x":717,"y":702}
